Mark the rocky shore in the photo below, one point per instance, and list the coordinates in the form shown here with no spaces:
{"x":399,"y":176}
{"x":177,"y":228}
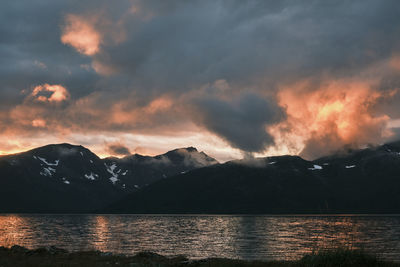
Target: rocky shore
{"x":53,"y":256}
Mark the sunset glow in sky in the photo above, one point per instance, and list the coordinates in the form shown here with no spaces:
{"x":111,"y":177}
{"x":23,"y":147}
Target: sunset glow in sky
{"x":232,"y":78}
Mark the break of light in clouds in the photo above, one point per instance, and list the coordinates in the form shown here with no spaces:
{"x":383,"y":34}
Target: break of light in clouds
{"x":58,"y":93}
{"x":228,"y":77}
{"x":81,"y":35}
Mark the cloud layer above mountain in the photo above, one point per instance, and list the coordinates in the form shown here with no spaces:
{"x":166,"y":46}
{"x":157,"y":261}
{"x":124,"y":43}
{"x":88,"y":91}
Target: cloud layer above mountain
{"x":230,"y":77}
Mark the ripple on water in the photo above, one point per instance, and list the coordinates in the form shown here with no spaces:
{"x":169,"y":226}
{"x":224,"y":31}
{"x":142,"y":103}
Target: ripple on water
{"x":202,"y":236}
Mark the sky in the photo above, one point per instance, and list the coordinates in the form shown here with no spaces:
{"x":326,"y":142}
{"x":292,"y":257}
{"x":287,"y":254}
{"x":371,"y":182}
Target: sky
{"x":232,"y":78}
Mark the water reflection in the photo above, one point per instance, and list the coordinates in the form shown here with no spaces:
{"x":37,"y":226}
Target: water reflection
{"x":14,"y":230}
{"x":245,"y":237}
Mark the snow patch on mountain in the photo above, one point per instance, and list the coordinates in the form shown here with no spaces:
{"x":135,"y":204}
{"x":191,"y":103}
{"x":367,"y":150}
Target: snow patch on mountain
{"x":315,"y":167}
{"x":46,"y":162}
{"x":48,"y":171}
{"x":350,"y":166}
{"x":111,"y":169}
{"x":92,"y":176}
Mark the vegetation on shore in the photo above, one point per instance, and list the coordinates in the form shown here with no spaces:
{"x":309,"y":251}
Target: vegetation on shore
{"x":52,"y":256}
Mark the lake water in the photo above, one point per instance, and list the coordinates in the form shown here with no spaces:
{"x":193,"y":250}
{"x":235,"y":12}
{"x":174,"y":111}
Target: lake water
{"x":202,"y":236}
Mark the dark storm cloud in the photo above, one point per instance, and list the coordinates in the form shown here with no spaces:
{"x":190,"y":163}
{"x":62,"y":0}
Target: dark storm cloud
{"x":177,"y":44}
{"x":151,"y":50}
{"x":189,"y":43}
{"x":118,"y":149}
{"x":242,"y":121}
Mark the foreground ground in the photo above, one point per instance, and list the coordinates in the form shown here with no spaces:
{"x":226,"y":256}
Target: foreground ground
{"x":19,"y":256}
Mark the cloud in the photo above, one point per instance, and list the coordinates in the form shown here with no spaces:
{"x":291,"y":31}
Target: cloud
{"x":80,"y":33}
{"x":38,"y":123}
{"x":234,"y":70}
{"x":161,"y":160}
{"x":195,"y":158}
{"x":58,"y":93}
{"x":117,"y":149}
{"x":40,"y":64}
{"x":241,"y":121}
{"x":102,"y":68}
{"x":325,"y":117}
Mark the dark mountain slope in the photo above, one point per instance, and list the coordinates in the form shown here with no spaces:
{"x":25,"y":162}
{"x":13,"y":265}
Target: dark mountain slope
{"x":361,"y":181}
{"x":54,"y":178}
{"x":68,"y":178}
{"x":264,"y":186}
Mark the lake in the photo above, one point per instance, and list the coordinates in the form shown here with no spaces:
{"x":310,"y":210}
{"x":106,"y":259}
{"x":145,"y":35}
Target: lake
{"x":202,"y":236}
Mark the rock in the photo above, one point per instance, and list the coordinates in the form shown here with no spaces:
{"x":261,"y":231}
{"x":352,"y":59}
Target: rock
{"x":150,"y":255}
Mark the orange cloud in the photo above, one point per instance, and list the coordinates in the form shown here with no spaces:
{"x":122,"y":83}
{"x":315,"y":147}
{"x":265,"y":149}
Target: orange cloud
{"x":127,"y":113}
{"x":38,"y":123}
{"x":324,"y":118}
{"x":394,"y":62}
{"x":58,"y":93}
{"x":102,"y":69}
{"x":158,"y":105}
{"x":80,"y":33}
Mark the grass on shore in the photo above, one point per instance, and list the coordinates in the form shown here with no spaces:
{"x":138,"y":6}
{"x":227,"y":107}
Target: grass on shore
{"x":49,"y":257}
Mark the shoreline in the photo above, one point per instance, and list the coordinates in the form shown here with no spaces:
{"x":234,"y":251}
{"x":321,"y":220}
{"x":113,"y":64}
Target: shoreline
{"x":215,"y":214}
{"x":53,"y":256}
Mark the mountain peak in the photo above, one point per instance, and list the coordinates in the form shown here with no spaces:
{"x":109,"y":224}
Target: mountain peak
{"x":191,"y":149}
{"x":189,"y":156}
{"x":63,"y":149}
{"x":187,"y":149}
{"x":60,"y":146}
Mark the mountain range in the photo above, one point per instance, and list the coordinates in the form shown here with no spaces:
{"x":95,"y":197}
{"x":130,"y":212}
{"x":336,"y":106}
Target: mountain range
{"x":67,"y":178}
